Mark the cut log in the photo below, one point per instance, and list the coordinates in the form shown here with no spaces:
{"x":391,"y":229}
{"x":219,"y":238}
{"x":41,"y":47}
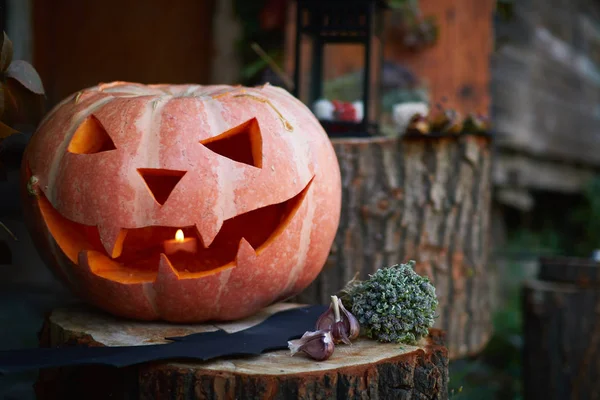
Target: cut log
{"x":427,"y":199}
{"x":366,"y":369}
{"x":561,"y":317}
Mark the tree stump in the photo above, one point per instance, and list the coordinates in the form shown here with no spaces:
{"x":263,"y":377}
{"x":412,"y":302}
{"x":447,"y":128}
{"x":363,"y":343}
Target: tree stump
{"x":561,"y":317}
{"x":366,"y":369}
{"x":427,"y":199}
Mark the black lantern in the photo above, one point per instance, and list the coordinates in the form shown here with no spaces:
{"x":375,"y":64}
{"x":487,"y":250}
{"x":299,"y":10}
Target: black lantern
{"x":331,"y":37}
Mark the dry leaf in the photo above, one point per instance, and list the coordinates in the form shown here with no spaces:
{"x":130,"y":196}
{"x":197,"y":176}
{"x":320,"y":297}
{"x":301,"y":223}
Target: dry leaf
{"x":6,"y":53}
{"x":6,"y":131}
{"x":26,"y":75}
{"x":21,"y":106}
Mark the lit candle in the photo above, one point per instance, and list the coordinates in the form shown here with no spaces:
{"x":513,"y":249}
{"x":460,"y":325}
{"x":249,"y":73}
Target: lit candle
{"x":180,"y":243}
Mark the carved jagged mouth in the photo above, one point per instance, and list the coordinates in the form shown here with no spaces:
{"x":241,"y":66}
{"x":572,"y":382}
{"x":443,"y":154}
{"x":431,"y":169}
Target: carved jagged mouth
{"x":142,"y":247}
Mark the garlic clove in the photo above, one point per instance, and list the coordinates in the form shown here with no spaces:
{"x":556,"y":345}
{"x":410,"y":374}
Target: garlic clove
{"x":327,"y":319}
{"x":343,"y":325}
{"x":318,"y":345}
{"x":340,"y":333}
{"x":350,"y":322}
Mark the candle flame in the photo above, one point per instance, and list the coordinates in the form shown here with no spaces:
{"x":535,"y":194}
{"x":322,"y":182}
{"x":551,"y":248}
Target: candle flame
{"x":179,"y":235}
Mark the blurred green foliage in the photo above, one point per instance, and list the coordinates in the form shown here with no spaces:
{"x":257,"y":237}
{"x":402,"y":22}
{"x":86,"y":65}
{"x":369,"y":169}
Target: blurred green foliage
{"x":249,"y":13}
{"x":505,"y":9}
{"x":587,"y":217}
{"x":401,"y":3}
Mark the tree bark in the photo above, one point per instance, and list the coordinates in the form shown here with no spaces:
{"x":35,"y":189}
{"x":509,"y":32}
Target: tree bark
{"x":364,"y":370}
{"x":562,"y":331}
{"x":427,"y":199}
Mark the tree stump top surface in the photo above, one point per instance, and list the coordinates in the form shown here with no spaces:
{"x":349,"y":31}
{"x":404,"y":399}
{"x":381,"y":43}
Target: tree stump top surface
{"x":89,"y":327}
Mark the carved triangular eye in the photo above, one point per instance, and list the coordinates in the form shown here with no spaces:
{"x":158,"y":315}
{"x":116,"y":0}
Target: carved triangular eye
{"x":161,"y":182}
{"x":90,"y":138}
{"x":242,"y":143}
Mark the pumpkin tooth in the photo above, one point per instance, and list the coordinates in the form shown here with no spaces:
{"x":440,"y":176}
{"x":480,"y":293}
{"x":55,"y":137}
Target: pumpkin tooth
{"x":244,"y":249}
{"x":166,"y":271}
{"x":209,"y":231}
{"x":112,"y":239}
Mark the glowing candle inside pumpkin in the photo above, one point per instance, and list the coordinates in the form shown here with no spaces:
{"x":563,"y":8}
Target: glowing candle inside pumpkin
{"x":180,"y":243}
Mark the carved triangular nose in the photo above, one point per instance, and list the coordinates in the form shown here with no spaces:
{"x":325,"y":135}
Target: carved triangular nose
{"x":161,"y":182}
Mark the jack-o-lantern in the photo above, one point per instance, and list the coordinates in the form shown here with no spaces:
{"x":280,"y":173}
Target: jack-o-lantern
{"x":182,"y":202}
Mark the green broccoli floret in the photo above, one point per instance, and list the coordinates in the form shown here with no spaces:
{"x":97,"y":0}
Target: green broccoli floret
{"x":394,"y":305}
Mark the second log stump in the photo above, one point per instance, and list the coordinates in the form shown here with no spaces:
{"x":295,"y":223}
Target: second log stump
{"x":427,"y":199}
{"x":561,"y":327}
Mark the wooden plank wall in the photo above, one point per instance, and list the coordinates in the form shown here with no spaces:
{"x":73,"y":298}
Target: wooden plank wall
{"x":80,"y":43}
{"x":546,"y":82}
{"x":457,"y":68}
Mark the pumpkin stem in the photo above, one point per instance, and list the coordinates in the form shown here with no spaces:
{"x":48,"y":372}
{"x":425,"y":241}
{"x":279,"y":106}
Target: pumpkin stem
{"x":32,"y":186}
{"x":8,"y":230}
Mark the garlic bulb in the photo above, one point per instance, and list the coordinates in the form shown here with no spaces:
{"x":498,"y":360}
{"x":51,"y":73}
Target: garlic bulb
{"x":317,"y":345}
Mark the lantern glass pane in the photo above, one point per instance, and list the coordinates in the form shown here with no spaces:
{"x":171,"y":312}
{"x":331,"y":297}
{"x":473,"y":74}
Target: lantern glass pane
{"x":341,"y":96}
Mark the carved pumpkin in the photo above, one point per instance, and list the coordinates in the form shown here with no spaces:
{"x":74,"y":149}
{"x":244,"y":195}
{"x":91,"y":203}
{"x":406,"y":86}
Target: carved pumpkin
{"x":115,"y":171}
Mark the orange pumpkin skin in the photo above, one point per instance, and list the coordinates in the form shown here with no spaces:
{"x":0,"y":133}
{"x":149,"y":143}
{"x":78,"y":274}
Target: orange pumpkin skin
{"x":257,"y":183}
